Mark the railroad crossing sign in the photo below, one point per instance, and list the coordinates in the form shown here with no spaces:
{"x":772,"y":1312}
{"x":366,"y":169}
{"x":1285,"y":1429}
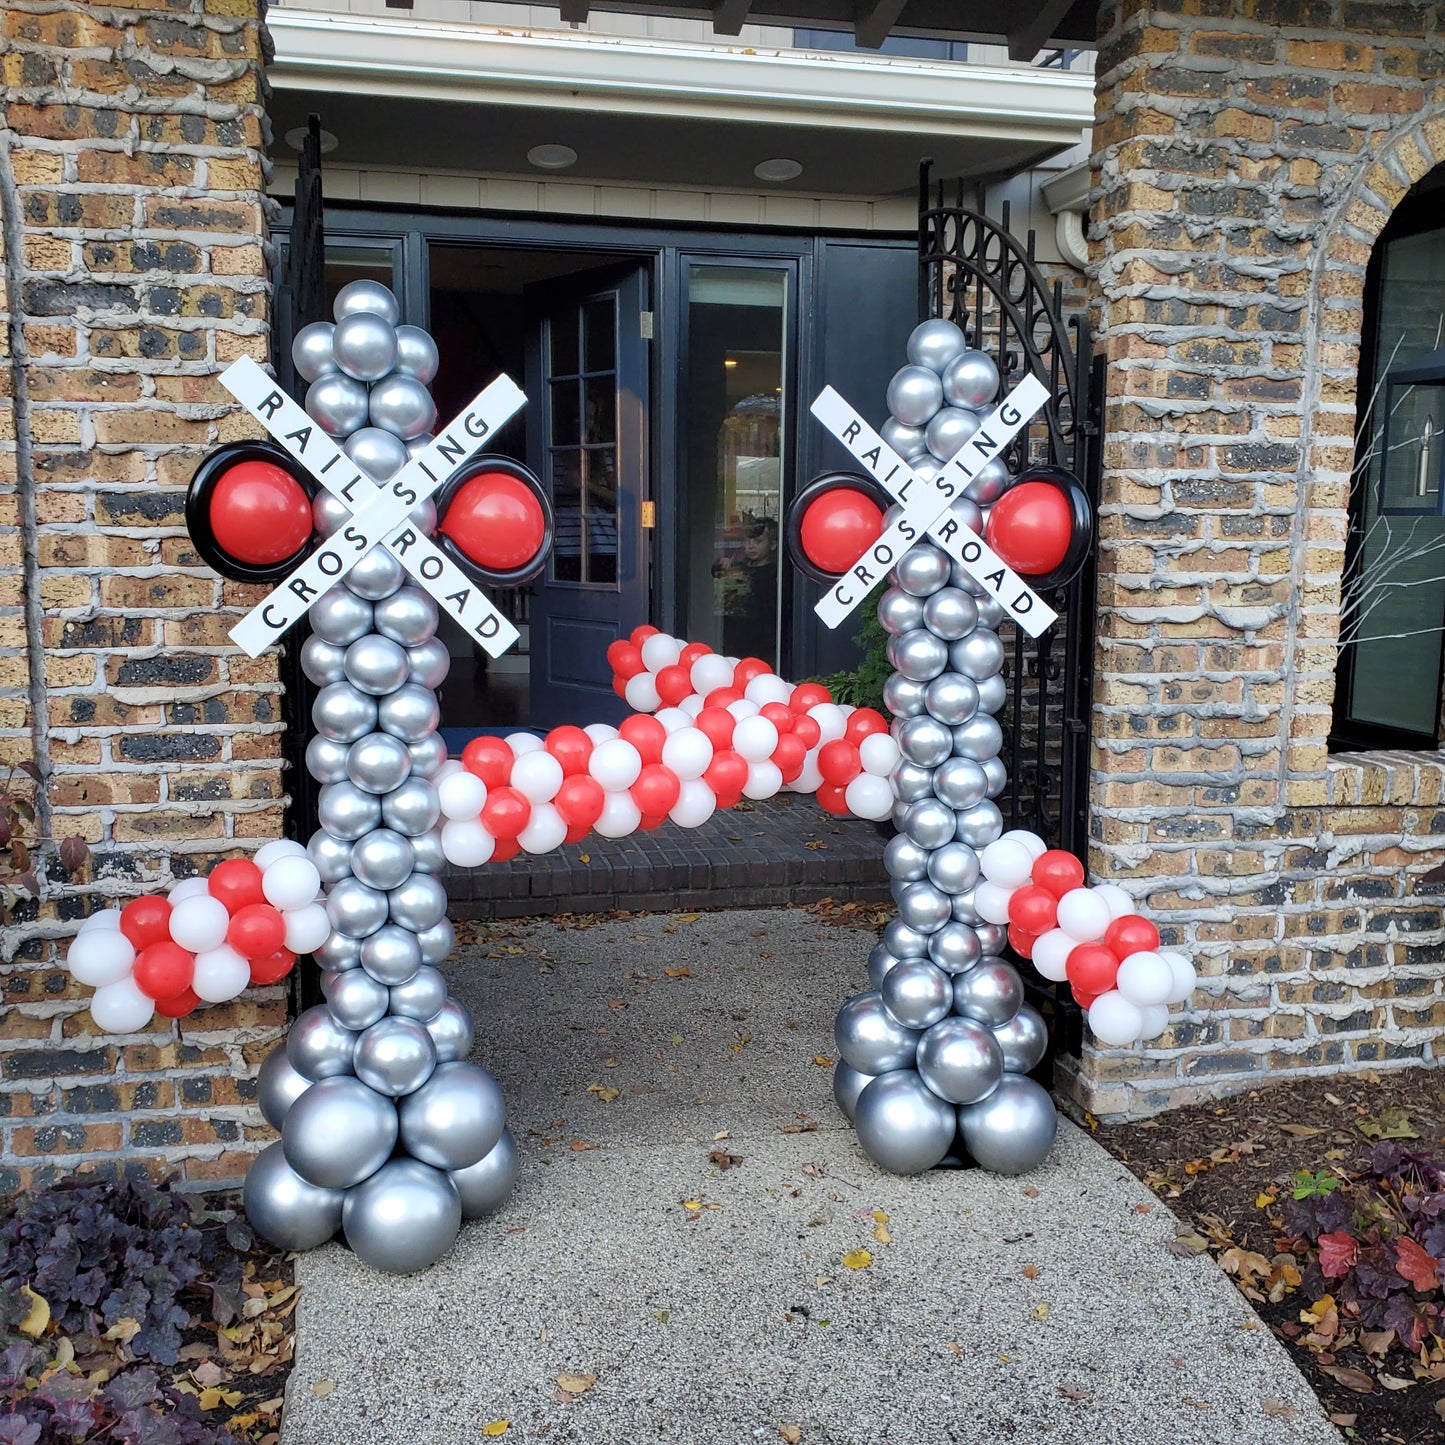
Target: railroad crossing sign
{"x":926,"y":506}
{"x":379,"y":512}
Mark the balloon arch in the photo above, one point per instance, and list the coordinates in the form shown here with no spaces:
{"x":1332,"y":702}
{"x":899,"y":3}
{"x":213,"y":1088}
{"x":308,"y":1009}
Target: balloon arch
{"x":363,"y":515}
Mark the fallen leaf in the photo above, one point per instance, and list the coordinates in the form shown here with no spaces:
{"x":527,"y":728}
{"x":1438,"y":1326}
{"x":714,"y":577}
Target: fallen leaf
{"x":1350,"y":1378}
{"x":215,"y":1396}
{"x":606,"y":1092}
{"x":576,"y":1384}
{"x":1040,"y":1311}
{"x":1393,"y":1382}
{"x":1030,"y":1192}
{"x":1030,"y":1271}
{"x":823,"y":1061}
{"x":322,"y":1388}
{"x":724,"y":1161}
{"x":1279,"y":1409}
{"x":208,"y":1373}
{"x":881,"y":1234}
{"x":687,"y":917}
{"x":1389,"y":1124}
{"x":124,"y":1330}
{"x":879,"y":1217}
{"x":956,"y":1348}
{"x":692,"y":1204}
{"x":1439,"y":1408}
{"x":37,"y":1317}
{"x":858,"y":1259}
{"x":1300,"y":1131}
{"x":1070,"y":1391}
{"x":681,"y":971}
{"x":586,"y":858}
{"x":1414,"y":1264}
{"x":1345,"y":1421}
{"x":1186,"y":1242}
{"x":495,"y":1427}
{"x":790,"y":1433}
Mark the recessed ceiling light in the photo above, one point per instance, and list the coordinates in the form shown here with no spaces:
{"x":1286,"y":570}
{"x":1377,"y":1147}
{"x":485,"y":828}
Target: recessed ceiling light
{"x":730,"y":361}
{"x":552,"y":157}
{"x":778,"y":169}
{"x":297,"y":138}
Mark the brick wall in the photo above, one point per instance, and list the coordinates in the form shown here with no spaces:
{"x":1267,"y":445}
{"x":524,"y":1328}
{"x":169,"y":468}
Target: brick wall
{"x":1247,"y":154}
{"x":131,"y":181}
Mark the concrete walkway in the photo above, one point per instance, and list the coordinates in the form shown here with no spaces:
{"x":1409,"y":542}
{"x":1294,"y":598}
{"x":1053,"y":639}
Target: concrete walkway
{"x":1038,"y":1309}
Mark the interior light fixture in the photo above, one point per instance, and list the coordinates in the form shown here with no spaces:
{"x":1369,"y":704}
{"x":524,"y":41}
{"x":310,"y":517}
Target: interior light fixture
{"x":296,"y":138}
{"x":552,"y":157}
{"x":730,"y":361}
{"x":780,"y":168}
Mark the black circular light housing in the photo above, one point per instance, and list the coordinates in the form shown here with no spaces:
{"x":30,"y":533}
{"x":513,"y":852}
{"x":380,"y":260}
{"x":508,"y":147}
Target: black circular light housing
{"x":207,"y":477}
{"x":476,"y":571}
{"x":797,"y":509}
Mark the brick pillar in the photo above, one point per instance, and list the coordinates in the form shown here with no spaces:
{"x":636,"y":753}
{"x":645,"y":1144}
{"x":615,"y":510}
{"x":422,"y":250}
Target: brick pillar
{"x":131,"y":179}
{"x":1247,"y":153}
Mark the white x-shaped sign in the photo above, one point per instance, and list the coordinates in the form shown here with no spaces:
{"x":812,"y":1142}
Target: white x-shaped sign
{"x":379,"y":515}
{"x":926,"y":506}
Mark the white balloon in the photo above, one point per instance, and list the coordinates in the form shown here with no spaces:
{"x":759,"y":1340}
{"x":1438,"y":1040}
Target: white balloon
{"x":546,"y":829}
{"x":688,"y":752}
{"x":466,"y":842}
{"x":811,"y":778}
{"x":620,"y":816}
{"x":641,"y":692}
{"x":696,"y":803}
{"x":1051,"y":954}
{"x":1156,"y":1020}
{"x":869,"y":796}
{"x":991,"y":901}
{"x":121,"y":1008}
{"x":1006,"y":862}
{"x":673,"y":718}
{"x":743,"y":708}
{"x":1082,"y":914}
{"x":1114,"y":1019}
{"x":462,"y":795}
{"x":291,"y":882}
{"x":768,"y":687}
{"x":1031,"y":841}
{"x":537,"y":776}
{"x":615,"y":764}
{"x":200,"y":924}
{"x":1182,"y":975}
{"x":755,"y":738}
{"x":879,"y":754}
{"x":764,"y":779}
{"x":831,"y":719}
{"x":659,"y":651}
{"x":600,"y":732}
{"x":307,"y":928}
{"x":186,"y":888}
{"x":1118,"y":901}
{"x":221,"y":974}
{"x":691,"y":705}
{"x":1144,"y":979}
{"x":268,"y":853}
{"x":99,"y":957}
{"x":711,"y":672}
{"x":523,"y":743}
{"x":452,"y":765}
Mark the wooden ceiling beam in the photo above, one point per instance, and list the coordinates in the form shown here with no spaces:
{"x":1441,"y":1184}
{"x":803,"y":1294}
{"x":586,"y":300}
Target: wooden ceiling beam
{"x":1034,"y":26}
{"x":729,"y":16}
{"x":874,"y":19}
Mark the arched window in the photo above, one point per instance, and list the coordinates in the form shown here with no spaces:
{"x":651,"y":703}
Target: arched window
{"x":1388,"y":690}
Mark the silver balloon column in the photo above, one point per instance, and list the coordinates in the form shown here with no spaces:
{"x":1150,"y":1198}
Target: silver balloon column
{"x":387,"y":1132}
{"x":933,"y":1060}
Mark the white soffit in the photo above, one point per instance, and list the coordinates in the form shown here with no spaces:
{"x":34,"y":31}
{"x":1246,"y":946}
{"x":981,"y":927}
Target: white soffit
{"x":428,"y":60}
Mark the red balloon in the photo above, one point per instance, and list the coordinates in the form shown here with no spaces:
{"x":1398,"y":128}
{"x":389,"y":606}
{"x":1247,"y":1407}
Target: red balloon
{"x":727,"y":801}
{"x":808,"y":694}
{"x":506,"y":849}
{"x":864,"y":722}
{"x":625,"y":658}
{"x":571,"y":747}
{"x":647,"y":735}
{"x":1031,"y":527}
{"x":497,"y":520}
{"x":691,"y":653}
{"x":807,"y":728}
{"x":1131,"y":934}
{"x":722,"y":697}
{"x":747,"y":670}
{"x":1058,"y":871}
{"x":838,"y":528}
{"x":619,"y":686}
{"x":718,"y":723}
{"x":164,"y":970}
{"x":490,"y":759}
{"x":1033,"y":909}
{"x":274,"y":967}
{"x":649,"y":821}
{"x":145,"y":921}
{"x":789,"y":756}
{"x":831,"y":799}
{"x":256,"y":930}
{"x":1091,"y":969}
{"x":656,"y":790}
{"x":237,"y":883}
{"x":779,"y":714}
{"x":642,"y":632}
{"x":580,"y":800}
{"x":1084,"y":999}
{"x":673,"y":684}
{"x":505,"y":813}
{"x":260,"y":513}
{"x":839,"y":763}
{"x":726,"y":775}
{"x":179,"y":1006}
{"x":576,"y":835}
{"x":1021,"y":941}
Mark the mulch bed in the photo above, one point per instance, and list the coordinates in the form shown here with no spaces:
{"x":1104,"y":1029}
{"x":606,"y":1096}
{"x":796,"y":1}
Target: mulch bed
{"x":1224,"y":1166}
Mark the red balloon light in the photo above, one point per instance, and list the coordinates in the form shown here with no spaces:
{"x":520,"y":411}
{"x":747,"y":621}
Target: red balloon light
{"x":1091,"y":969}
{"x":146,"y":921}
{"x":1033,"y":909}
{"x":274,"y":967}
{"x":1131,"y":934}
{"x":505,"y":813}
{"x":647,"y":735}
{"x":838,"y":527}
{"x":1031,"y":527}
{"x":490,"y":759}
{"x":1058,"y":872}
{"x":497,"y":520}
{"x":260,"y":514}
{"x":571,"y":747}
{"x":164,"y":970}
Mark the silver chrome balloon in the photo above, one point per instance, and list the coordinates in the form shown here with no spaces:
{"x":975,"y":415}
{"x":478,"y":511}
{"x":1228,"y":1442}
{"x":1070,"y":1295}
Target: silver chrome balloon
{"x":408,"y":616}
{"x":870,"y":1039}
{"x":991,"y":992}
{"x":960,"y":1060}
{"x":979,"y":655}
{"x":411,"y":713}
{"x":911,"y":783}
{"x":423,"y":516}
{"x":955,"y":947}
{"x":323,"y":661}
{"x":377,"y":763}
{"x":902,"y":1124}
{"x":914,"y":394}
{"x":904,"y":859}
{"x":412,"y":808}
{"x":427,"y":854}
{"x":917,"y":993}
{"x":992,"y":693}
{"x":391,"y":954}
{"x":419,"y":903}
{"x":879,"y":962}
{"x":284,"y":1208}
{"x":369,"y":296}
{"x":918,"y":655}
{"x":922,"y":570}
{"x":383,"y":858}
{"x":354,"y":909}
{"x":404,"y":1218}
{"x":339,"y":953}
{"x":422,"y":997}
{"x":311,"y":351}
{"x":950,"y":429}
{"x":979,"y":826}
{"x":952,"y":699}
{"x":987,"y":484}
{"x":401,"y":405}
{"x":968,"y":514}
{"x":318,"y":1047}
{"x":377,"y":575}
{"x":848,"y":1083}
{"x":965,"y":911}
{"x":925,"y":741}
{"x":923,"y":907}
{"x":904,"y":942}
{"x":328,"y":514}
{"x":429,"y":663}
{"x":337,"y":404}
{"x":332,"y":856}
{"x":340,"y":616}
{"x":488,"y":1184}
{"x":278,"y":1086}
{"x":376,"y":665}
{"x":395,"y":1056}
{"x":979,"y":738}
{"x":338,"y":1132}
{"x":428,"y":755}
{"x":995,"y":775}
{"x":346,"y":811}
{"x":902,"y":696}
{"x":908,"y":441}
{"x":451,"y":1031}
{"x":953,"y":868}
{"x":935,"y":342}
{"x":992,"y":938}
{"x":343,"y":713}
{"x":970,"y":379}
{"x":437,"y":942}
{"x":930,"y":824}
{"x":364,"y":345}
{"x":990,"y":612}
{"x":900,"y":612}
{"x":356,"y":1000}
{"x":1012,"y":1130}
{"x":455,"y":1118}
{"x":1024,"y":1040}
{"x":950,"y":613}
{"x":326,"y":761}
{"x":416,"y":354}
{"x":376,"y":451}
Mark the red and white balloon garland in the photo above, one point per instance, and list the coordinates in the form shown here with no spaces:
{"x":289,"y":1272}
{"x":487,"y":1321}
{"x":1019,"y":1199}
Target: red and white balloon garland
{"x":1090,"y":937}
{"x":204,"y":941}
{"x":707,"y":732}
